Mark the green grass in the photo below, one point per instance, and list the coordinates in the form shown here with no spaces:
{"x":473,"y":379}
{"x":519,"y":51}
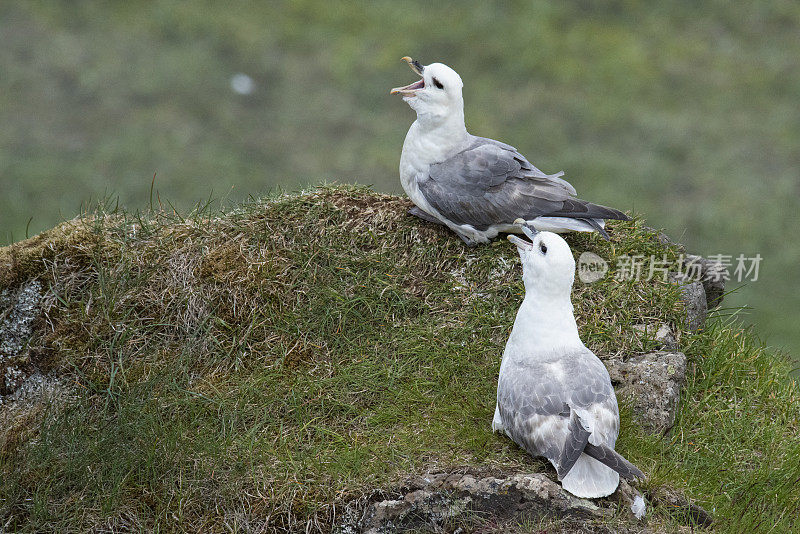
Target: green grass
{"x":271,"y":362}
{"x":683,"y":111}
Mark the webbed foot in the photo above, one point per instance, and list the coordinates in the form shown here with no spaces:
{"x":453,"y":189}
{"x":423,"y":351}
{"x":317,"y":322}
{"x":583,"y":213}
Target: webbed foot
{"x":467,"y":241}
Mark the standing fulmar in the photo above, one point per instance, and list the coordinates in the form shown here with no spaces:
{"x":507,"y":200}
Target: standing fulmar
{"x":477,"y":186}
{"x":554,"y":396}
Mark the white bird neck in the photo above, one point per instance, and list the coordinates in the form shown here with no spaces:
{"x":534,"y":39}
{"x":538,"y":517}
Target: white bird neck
{"x":436,"y":138}
{"x":545,"y":323}
{"x":447,"y":121}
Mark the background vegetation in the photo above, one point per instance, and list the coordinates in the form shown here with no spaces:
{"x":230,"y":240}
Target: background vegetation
{"x":685,"y":112}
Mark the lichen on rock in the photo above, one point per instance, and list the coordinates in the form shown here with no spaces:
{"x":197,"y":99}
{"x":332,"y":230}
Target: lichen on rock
{"x":432,"y":501}
{"x":18,"y":310}
{"x":652,"y":384}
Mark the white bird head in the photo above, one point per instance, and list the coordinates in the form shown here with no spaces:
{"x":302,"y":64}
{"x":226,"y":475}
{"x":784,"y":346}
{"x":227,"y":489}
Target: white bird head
{"x":437,"y":96}
{"x":548,"y":268}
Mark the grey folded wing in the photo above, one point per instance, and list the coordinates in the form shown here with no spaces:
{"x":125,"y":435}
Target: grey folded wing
{"x":540,"y":413}
{"x":576,"y":442}
{"x":491,"y":183}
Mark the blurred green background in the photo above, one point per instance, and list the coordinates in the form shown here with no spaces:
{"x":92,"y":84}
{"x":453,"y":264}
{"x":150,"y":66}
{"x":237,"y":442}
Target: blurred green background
{"x":685,"y":112}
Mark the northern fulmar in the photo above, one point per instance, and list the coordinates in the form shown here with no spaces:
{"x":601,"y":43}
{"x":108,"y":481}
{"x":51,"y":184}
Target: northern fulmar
{"x":554,"y":396}
{"x":477,"y":186}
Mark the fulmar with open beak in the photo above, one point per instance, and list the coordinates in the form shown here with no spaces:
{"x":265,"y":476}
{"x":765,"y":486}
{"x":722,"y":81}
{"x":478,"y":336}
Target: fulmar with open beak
{"x":554,"y":396}
{"x":477,"y":186}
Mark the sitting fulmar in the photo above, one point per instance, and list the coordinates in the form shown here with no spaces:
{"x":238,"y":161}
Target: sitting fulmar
{"x":476,"y":186}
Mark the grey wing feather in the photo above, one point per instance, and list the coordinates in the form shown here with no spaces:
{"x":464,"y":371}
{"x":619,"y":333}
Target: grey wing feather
{"x":535,"y":408}
{"x":525,"y":408}
{"x":491,"y":183}
{"x":577,"y":439}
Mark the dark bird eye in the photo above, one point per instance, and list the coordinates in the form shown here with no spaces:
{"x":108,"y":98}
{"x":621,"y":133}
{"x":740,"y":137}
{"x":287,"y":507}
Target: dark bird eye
{"x":438,"y":84}
{"x":543,"y":247}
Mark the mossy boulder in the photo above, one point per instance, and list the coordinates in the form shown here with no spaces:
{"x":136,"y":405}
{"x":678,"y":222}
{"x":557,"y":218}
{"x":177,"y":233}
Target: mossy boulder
{"x":261,"y":368}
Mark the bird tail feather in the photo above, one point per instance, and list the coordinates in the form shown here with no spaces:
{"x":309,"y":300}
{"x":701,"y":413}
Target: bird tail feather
{"x":566,"y":224}
{"x":582,"y":209}
{"x":596,"y":224}
{"x":608,"y":456}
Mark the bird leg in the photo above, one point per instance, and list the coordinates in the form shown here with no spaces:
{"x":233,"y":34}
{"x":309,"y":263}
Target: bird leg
{"x":424,"y":215}
{"x":467,"y":241}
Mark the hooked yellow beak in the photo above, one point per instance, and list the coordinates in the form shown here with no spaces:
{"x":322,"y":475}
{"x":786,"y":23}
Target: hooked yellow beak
{"x":528,"y":230}
{"x":411,"y":89}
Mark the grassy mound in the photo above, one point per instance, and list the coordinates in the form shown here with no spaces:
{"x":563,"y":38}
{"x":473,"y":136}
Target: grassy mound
{"x":258,"y":368}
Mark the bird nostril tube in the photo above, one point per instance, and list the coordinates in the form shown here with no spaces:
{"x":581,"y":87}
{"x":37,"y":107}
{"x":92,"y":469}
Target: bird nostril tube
{"x":529,"y":231}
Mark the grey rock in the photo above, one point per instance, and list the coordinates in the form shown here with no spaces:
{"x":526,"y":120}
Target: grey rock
{"x":661,"y":334}
{"x":712,"y":274}
{"x":679,"y":506}
{"x":664,"y":239}
{"x":18,"y":310}
{"x":36,"y":389}
{"x":652,"y":384}
{"x":693,"y":296}
{"x":449,"y":499}
{"x":665,"y":338}
{"x":447,"y":502}
{"x":385,"y":513}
